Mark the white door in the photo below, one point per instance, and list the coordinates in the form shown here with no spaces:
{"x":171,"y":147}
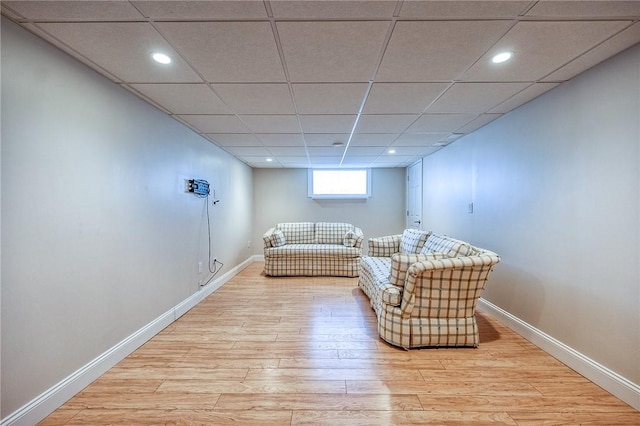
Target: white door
{"x":414,"y":195}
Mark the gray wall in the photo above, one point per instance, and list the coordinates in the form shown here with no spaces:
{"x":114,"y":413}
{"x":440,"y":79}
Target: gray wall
{"x":280,"y":195}
{"x":98,"y":237}
{"x":555,"y":186}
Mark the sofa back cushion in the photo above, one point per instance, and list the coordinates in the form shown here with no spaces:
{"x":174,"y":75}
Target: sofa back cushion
{"x":332,"y":232}
{"x":447,"y":245}
{"x":400,"y":263}
{"x":298,"y":232}
{"x":412,"y":240}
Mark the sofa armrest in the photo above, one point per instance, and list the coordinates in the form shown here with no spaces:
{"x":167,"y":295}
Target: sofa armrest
{"x":391,"y":295}
{"x":384,"y":246}
{"x":266,"y":238}
{"x":359,"y":237}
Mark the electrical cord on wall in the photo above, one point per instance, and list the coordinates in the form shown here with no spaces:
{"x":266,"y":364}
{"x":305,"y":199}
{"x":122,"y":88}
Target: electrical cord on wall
{"x":216,"y":265}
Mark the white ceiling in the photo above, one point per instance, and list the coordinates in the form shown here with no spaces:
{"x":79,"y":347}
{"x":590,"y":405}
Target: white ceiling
{"x":284,"y":80}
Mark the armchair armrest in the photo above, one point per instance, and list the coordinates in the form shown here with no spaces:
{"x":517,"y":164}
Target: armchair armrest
{"x":384,"y":246}
{"x":359,"y":237}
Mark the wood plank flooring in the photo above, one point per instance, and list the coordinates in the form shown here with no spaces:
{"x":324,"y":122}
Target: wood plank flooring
{"x":302,"y":351}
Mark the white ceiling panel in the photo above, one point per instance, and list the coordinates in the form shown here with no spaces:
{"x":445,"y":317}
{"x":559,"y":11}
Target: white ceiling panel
{"x":281,"y":139}
{"x":199,"y":10}
{"x":331,"y":51}
{"x":325,"y":139}
{"x":251,"y":76}
{"x":227,"y":51}
{"x":124,"y":48}
{"x":523,"y":97}
{"x":336,"y":98}
{"x":272,"y":123}
{"x":74,"y":10}
{"x":184,"y":98}
{"x":215,"y":123}
{"x":462,"y":9}
{"x":475,"y":97}
{"x":385,"y":123}
{"x":327,"y":123}
{"x":440,"y":123}
{"x":256,"y":98}
{"x":540,"y":48}
{"x":373,"y":139}
{"x":585,"y":9}
{"x":400,"y":98}
{"x":341,"y":9}
{"x":457,"y":45}
{"x":234,"y":139}
{"x":615,"y":44}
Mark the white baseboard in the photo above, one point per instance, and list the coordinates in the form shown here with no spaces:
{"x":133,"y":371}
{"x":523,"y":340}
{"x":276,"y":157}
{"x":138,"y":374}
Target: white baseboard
{"x":607,"y":379}
{"x":47,"y":402}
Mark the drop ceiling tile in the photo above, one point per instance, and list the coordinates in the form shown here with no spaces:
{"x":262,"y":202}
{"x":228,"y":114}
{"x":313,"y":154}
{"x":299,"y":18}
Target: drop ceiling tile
{"x":366,"y":150}
{"x":272,"y":123}
{"x":394,"y":159}
{"x":199,"y":10}
{"x":373,"y":139}
{"x":462,"y":9}
{"x":327,"y":123}
{"x":414,"y":150}
{"x":242,"y":51}
{"x":234,"y":139}
{"x":540,"y":48}
{"x":357,"y":161}
{"x":215,"y":123}
{"x":475,"y":97}
{"x":436,"y":51}
{"x":256,"y":98}
{"x":523,"y":97}
{"x":184,"y":98}
{"x":124,"y":49}
{"x":384,"y":123}
{"x":325,"y":151}
{"x":482,"y":120}
{"x":329,"y":98}
{"x":331,"y":51}
{"x":325,"y":161}
{"x":402,"y":98}
{"x":248,"y":151}
{"x":440,"y":123}
{"x":585,"y":9}
{"x":261,"y":162}
{"x":288,"y":151}
{"x":333,"y":9}
{"x":325,"y":139}
{"x":281,"y":139}
{"x":74,"y":10}
{"x":301,"y":161}
{"x":614,"y":45}
{"x":419,"y":139}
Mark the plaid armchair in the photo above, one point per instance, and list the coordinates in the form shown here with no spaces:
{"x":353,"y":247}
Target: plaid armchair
{"x":426,"y":297}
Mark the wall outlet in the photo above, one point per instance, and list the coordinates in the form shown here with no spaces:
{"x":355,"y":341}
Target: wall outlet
{"x":470,"y":208}
{"x":249,"y":244}
{"x":200,"y":267}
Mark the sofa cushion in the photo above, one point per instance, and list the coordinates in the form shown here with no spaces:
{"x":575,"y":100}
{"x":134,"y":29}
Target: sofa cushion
{"x":400,"y":263}
{"x":277,"y":238}
{"x":412,"y":240}
{"x":306,"y":251}
{"x":331,"y":232}
{"x":349,"y":239}
{"x":298,"y":232}
{"x":447,"y":245}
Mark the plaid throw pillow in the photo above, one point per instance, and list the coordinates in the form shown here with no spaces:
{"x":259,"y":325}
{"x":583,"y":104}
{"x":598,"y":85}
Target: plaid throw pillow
{"x":349,"y":239}
{"x":412,"y":240}
{"x":277,"y":238}
{"x":400,"y":263}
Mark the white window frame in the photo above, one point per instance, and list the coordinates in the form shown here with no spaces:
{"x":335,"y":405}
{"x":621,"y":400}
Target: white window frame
{"x":338,"y":195}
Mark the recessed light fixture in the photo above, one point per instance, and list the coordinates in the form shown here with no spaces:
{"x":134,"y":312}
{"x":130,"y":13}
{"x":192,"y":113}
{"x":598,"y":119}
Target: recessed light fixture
{"x":391,"y":151}
{"x":269,"y":160}
{"x":502,"y":57}
{"x":161,"y":58}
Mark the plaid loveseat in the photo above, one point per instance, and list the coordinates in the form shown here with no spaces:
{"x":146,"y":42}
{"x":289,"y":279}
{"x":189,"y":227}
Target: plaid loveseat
{"x":424,"y":288}
{"x":313,"y":249}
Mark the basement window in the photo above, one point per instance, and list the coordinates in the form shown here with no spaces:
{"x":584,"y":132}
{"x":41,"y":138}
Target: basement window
{"x":339,"y":183}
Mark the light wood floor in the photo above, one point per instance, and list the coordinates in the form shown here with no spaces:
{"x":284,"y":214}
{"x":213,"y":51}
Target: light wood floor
{"x":293,"y":351}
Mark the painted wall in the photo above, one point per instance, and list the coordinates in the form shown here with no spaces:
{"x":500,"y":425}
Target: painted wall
{"x":555,"y":186}
{"x":280,"y":195}
{"x":98,"y":236}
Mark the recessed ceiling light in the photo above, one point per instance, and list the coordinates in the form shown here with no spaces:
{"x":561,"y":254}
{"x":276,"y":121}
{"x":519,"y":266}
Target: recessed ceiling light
{"x":269,"y":160}
{"x":391,"y":151}
{"x":502,"y":57}
{"x":161,"y":58}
